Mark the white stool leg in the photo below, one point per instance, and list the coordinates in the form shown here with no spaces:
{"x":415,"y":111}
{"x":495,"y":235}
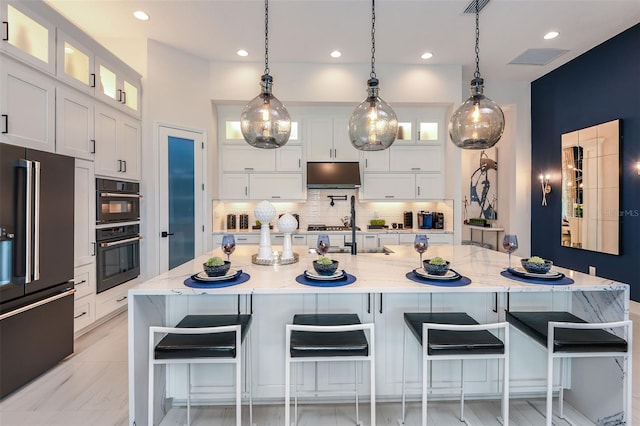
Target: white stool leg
{"x":505,"y":380}
{"x":355,"y":364}
{"x":372,"y":374}
{"x":425,"y":378}
{"x":462,"y":390}
{"x":563,"y":364}
{"x":150,"y":396}
{"x":188,"y":394}
{"x":404,"y":371}
{"x":296,"y":370}
{"x":287,"y":377}
{"x":249,"y":371}
{"x":549,"y":401}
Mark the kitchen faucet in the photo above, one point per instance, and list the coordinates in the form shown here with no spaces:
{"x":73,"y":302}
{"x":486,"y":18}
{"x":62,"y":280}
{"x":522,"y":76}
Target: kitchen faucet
{"x":354,"y":245}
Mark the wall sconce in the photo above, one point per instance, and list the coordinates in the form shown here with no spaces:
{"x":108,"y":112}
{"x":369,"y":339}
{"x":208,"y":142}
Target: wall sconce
{"x":638,"y":167}
{"x":546,"y":188}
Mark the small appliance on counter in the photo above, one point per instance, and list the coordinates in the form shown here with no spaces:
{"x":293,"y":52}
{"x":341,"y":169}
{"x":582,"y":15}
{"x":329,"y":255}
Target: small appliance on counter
{"x":231,"y":221}
{"x":408,"y":220}
{"x":438,"y":220}
{"x":425,"y":220}
{"x":244,"y":221}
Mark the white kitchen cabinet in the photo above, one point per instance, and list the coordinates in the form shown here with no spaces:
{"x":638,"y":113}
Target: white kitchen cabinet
{"x":114,"y":300}
{"x":419,"y":126}
{"x":276,"y":187}
{"x":84,"y":298}
{"x":376,"y":161}
{"x":245,"y":158}
{"x":432,"y":237}
{"x":429,"y":186}
{"x":74,"y":123}
{"x":388,"y":240}
{"x":423,"y":158}
{"x":84,"y":214}
{"x":247,"y":238}
{"x":27,"y":35}
{"x":289,"y":158}
{"x":388,"y":186}
{"x":117,"y":87}
{"x":27,"y":106}
{"x":117,"y":144}
{"x":234,"y":186}
{"x":75,"y":63}
{"x":328,"y":140}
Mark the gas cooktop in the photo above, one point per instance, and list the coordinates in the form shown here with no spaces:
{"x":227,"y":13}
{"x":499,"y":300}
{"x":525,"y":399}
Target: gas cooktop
{"x":318,"y":227}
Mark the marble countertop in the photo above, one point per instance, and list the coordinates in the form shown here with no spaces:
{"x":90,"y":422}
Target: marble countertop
{"x":375,"y":273}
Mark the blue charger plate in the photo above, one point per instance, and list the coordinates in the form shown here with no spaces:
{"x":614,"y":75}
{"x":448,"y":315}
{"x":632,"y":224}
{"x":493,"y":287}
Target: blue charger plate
{"x":460,"y":282}
{"x":346,"y":280}
{"x":239,"y":278}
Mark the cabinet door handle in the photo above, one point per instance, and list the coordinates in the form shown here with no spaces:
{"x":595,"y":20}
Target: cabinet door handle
{"x":119,"y":95}
{"x":121,"y":299}
{"x":81,"y":282}
{"x":94,"y":248}
{"x":246,"y":190}
{"x":416,"y":168}
{"x":248,"y":168}
{"x":79,"y":315}
{"x":330,"y":152}
{"x":242,"y":238}
{"x":368,"y":303}
{"x":380,"y":303}
{"x":5,"y":37}
{"x":418,"y":190}
{"x":93,"y":146}
{"x":119,"y":165}
{"x":366,"y":163}
{"x":276,"y":196}
{"x":389,"y":196}
{"x":125,"y":166}
{"x":124,"y":97}
{"x":335,"y":152}
{"x":6,"y":123}
{"x":299,"y":163}
{"x":92,"y":79}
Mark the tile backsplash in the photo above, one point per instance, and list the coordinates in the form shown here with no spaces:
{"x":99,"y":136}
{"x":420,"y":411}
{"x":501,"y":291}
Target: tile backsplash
{"x":318,"y":210}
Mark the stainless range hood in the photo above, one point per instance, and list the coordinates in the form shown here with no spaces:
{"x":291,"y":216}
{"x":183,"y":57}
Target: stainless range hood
{"x":336,"y":175}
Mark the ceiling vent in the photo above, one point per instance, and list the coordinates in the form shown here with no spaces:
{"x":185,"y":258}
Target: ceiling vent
{"x":471,"y":7}
{"x":538,"y":56}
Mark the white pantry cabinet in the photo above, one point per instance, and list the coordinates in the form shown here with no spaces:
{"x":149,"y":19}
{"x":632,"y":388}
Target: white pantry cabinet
{"x":27,"y":106}
{"x":84,"y":213}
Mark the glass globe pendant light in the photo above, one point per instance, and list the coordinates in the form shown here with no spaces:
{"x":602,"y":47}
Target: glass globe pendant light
{"x":479,"y":122}
{"x":265,"y":122}
{"x":373,"y":126}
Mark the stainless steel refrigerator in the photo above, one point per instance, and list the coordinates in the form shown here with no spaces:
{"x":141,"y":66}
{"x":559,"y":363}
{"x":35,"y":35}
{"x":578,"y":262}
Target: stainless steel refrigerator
{"x":36,"y":263}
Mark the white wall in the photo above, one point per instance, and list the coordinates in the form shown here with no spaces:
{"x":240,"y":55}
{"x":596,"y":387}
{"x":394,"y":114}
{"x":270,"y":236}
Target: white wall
{"x":175,"y":93}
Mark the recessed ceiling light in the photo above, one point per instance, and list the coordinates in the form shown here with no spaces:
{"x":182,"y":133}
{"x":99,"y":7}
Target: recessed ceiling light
{"x":427,"y":55}
{"x":141,"y":15}
{"x":242,"y":52}
{"x":336,"y":54}
{"x":550,"y":35}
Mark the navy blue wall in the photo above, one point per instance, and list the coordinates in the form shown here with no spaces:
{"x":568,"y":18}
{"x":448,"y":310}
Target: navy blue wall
{"x":598,"y":86}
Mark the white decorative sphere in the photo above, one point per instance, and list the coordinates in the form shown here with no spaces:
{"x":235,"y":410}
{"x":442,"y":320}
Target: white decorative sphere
{"x":287,"y":223}
{"x":265,"y":212}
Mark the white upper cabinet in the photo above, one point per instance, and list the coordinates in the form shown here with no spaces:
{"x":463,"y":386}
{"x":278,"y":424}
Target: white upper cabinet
{"x":28,"y":36}
{"x":429,"y":186}
{"x":276,"y":187}
{"x":289,"y":158}
{"x":421,"y":125}
{"x":115,"y":86}
{"x":117,"y":144}
{"x":327,"y":139}
{"x":388,"y":186}
{"x":27,"y":106}
{"x":376,"y":161}
{"x":245,"y":158}
{"x":74,"y":124}
{"x":75,"y":63}
{"x":428,"y":158}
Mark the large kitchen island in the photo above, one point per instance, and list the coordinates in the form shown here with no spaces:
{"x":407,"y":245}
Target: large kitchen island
{"x":381,"y":294}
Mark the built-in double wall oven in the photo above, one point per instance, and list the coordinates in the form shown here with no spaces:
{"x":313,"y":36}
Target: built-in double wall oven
{"x":117,"y":232}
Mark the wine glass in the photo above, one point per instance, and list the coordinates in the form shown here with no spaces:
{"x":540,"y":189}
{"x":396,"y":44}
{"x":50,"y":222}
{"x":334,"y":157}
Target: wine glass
{"x":510,"y":244}
{"x":322,"y":246}
{"x":421,"y":245}
{"x":228,"y":245}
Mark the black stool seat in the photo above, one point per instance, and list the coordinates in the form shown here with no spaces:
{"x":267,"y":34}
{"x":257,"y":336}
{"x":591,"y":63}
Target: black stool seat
{"x":535,"y":325}
{"x":218,"y":345}
{"x":448,"y":342}
{"x":326,"y":344}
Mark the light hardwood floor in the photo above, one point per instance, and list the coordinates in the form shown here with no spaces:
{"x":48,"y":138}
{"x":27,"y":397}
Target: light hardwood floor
{"x":90,"y":388}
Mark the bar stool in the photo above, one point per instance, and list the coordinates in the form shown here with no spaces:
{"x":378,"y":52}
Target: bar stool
{"x":455,"y":336}
{"x":328,"y":337}
{"x":564,"y":336}
{"x":202,"y":339}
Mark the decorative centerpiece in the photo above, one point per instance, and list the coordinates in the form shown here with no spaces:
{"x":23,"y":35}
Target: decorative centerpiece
{"x":536,"y":265}
{"x":265,"y":212}
{"x":287,"y":224}
{"x":436,"y":266}
{"x":325,"y":266}
{"x":216,"y":267}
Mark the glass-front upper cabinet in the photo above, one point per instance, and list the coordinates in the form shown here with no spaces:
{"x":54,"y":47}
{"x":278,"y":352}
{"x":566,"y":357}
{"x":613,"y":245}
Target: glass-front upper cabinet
{"x":75,"y":63}
{"x":232,"y":132}
{"x":27,"y":36}
{"x":112,"y":84}
{"x":421,"y":125}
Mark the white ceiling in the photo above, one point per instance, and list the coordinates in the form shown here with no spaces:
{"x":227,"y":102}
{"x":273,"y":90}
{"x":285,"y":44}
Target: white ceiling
{"x":308,"y":30}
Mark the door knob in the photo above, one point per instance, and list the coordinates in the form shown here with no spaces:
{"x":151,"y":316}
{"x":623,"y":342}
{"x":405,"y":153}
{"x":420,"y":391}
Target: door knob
{"x":165,"y":234}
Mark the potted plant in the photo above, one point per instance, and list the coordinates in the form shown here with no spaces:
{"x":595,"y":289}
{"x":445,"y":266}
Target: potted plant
{"x":536,"y":265}
{"x":436,"y":266}
{"x":325,"y":266}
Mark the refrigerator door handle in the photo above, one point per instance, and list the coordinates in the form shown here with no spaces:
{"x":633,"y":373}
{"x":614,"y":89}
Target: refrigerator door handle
{"x":28,"y":219}
{"x":66,"y":293}
{"x":36,"y":221}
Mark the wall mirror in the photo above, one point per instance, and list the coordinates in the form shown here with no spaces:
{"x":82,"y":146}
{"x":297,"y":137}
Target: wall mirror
{"x":591,"y":188}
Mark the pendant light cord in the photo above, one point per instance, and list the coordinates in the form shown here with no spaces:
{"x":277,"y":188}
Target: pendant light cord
{"x":477,"y":73}
{"x":266,"y":36}
{"x":373,"y":39}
